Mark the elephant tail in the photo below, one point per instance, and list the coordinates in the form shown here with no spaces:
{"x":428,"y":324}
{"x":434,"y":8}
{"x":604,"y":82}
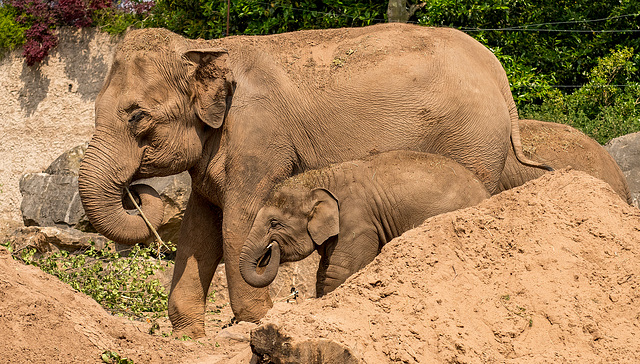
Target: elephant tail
{"x":516,"y":142}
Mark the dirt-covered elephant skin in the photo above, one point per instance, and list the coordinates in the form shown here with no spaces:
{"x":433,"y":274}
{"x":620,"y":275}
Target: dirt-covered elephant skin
{"x":561,"y":146}
{"x":244,"y":113}
{"x":349,"y":211}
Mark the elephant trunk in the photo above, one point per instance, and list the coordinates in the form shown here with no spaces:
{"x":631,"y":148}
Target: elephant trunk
{"x":101,"y":183}
{"x":256,"y":256}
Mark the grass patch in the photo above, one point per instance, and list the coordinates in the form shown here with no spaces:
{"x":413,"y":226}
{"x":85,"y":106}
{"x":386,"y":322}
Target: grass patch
{"x":123,"y":283}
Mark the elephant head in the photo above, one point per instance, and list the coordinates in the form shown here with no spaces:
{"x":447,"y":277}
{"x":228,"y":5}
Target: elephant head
{"x":159,"y":105}
{"x":291,"y":225}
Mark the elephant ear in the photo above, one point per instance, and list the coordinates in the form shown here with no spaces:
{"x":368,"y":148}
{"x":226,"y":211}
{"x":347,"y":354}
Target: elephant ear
{"x":212,"y":84}
{"x":324,"y":221}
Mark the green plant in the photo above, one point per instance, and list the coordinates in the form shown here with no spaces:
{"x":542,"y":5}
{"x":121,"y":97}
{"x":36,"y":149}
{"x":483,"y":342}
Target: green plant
{"x":11,"y":32}
{"x":562,"y":39}
{"x":607,"y":106}
{"x":207,"y":18}
{"x":112,"y":357}
{"x":121,"y":284}
{"x":123,"y":15}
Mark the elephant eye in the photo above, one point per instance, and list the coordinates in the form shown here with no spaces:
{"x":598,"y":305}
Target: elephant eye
{"x":136,"y":116}
{"x":274,"y":224}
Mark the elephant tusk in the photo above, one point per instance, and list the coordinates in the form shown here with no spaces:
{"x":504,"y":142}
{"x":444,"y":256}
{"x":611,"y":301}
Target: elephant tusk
{"x":266,"y":257}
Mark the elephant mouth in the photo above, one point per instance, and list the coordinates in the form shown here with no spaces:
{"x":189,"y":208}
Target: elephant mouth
{"x":127,"y":204}
{"x":266,"y":257}
{"x":260,"y":270}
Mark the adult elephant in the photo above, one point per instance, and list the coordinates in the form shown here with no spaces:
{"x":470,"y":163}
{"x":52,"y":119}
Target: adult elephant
{"x":243,"y":113}
{"x":561,"y":146}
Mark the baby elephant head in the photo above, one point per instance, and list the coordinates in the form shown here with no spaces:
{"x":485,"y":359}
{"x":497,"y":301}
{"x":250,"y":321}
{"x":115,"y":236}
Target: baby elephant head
{"x":288,"y":228}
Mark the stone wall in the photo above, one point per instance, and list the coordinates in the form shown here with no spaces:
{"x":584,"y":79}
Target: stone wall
{"x":49,"y":108}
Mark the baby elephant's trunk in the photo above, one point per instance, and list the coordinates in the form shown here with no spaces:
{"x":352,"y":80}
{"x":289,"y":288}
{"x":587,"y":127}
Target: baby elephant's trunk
{"x":259,"y":265}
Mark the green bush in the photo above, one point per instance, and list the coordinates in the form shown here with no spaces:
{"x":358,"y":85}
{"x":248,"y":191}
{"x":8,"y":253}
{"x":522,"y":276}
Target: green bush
{"x":553,"y":37}
{"x":121,"y":284}
{"x":11,"y":32}
{"x":207,"y":19}
{"x":115,"y":22}
{"x":607,"y":106}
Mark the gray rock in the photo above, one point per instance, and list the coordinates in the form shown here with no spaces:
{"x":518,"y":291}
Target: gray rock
{"x":69,"y":162}
{"x":51,"y":200}
{"x":626,"y":152}
{"x":51,"y":239}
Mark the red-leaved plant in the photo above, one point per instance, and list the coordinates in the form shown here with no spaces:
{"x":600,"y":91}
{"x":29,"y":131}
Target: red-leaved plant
{"x":42,"y":16}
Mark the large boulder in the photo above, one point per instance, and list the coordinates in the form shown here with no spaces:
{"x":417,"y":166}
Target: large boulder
{"x":51,"y":198}
{"x":626,"y":152}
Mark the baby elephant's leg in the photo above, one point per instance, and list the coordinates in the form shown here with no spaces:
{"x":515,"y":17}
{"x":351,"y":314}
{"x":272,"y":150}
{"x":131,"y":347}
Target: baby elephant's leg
{"x":344,"y":255}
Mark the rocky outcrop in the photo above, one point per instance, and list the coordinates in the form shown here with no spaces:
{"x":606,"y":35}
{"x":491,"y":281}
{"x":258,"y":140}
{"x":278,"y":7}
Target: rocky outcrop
{"x":52,"y":239}
{"x":51,"y":198}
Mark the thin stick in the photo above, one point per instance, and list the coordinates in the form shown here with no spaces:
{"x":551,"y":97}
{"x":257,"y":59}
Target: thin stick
{"x":144,"y":217}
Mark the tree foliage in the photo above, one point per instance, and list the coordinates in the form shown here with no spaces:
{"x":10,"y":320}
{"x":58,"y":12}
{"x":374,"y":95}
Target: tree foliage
{"x":562,"y":40}
{"x":552,"y":51}
{"x":207,"y":19}
{"x":607,"y":106}
{"x":11,"y":32}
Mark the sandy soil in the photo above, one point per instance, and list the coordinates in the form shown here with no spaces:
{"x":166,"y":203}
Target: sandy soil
{"x":547,"y":272}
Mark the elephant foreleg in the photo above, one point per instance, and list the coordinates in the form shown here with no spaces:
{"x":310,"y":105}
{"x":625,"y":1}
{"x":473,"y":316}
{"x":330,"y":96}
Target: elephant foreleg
{"x":199,"y":253}
{"x":344,"y":256}
{"x":248,"y":303}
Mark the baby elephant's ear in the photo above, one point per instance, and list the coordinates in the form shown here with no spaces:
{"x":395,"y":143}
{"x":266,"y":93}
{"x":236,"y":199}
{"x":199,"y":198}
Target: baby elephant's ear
{"x":324,"y":221}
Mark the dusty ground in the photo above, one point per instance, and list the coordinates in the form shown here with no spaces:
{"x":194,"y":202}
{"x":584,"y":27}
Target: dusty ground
{"x":46,"y":321}
{"x":547,"y":272}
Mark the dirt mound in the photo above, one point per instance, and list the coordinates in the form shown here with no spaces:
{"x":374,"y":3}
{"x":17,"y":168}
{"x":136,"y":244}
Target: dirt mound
{"x":45,"y":321}
{"x":547,"y":272}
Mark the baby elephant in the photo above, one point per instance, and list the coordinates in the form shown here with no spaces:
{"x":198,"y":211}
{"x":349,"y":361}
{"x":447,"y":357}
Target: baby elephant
{"x":348,"y":211}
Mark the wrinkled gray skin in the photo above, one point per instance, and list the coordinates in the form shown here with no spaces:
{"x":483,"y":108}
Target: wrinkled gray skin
{"x":561,"y":146}
{"x":244,"y":113}
{"x":349,"y":211}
